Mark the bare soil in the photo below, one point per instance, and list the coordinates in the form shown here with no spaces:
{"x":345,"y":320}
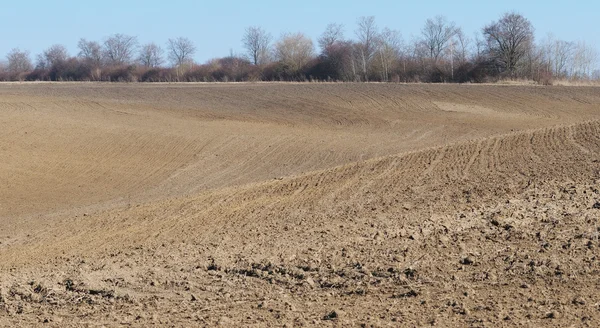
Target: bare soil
{"x":299,"y":205}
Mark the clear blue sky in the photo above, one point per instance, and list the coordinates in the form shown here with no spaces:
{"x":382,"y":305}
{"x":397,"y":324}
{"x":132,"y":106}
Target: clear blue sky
{"x":217,"y":27}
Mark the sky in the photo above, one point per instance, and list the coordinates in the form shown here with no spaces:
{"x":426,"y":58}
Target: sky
{"x":217,"y":27}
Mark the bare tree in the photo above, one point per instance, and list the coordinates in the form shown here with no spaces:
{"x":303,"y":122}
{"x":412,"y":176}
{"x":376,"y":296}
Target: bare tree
{"x":257,"y":43}
{"x":18,"y":63}
{"x":557,"y":55}
{"x":458,"y":50}
{"x":294,"y":51}
{"x":532,"y":64}
{"x":337,"y":62}
{"x":419,"y":51}
{"x":366,"y":34}
{"x":562,"y":54}
{"x":151,"y":55}
{"x":333,"y":34}
{"x":462,"y":46}
{"x":389,"y":43}
{"x":585,"y":58}
{"x":336,"y":53}
{"x":413,"y":54}
{"x":480,"y":46}
{"x":40,"y":62}
{"x":52,"y":56}
{"x":180,"y":52}
{"x":437,"y":34}
{"x":119,"y":49}
{"x":90,"y":52}
{"x":509,"y":40}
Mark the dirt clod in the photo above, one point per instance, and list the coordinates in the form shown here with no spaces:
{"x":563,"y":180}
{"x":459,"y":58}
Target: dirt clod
{"x":333,"y":315}
{"x":467,"y":260}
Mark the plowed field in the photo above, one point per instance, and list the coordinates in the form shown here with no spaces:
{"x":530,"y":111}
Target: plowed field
{"x":299,"y":205}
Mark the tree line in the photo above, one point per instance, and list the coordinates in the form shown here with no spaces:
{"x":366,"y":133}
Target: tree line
{"x":504,"y":49}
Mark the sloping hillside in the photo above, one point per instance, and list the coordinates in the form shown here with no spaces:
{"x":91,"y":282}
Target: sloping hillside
{"x":267,"y":204}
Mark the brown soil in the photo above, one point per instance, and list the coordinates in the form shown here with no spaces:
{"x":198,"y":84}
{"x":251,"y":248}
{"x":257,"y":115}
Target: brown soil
{"x":299,"y":205}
